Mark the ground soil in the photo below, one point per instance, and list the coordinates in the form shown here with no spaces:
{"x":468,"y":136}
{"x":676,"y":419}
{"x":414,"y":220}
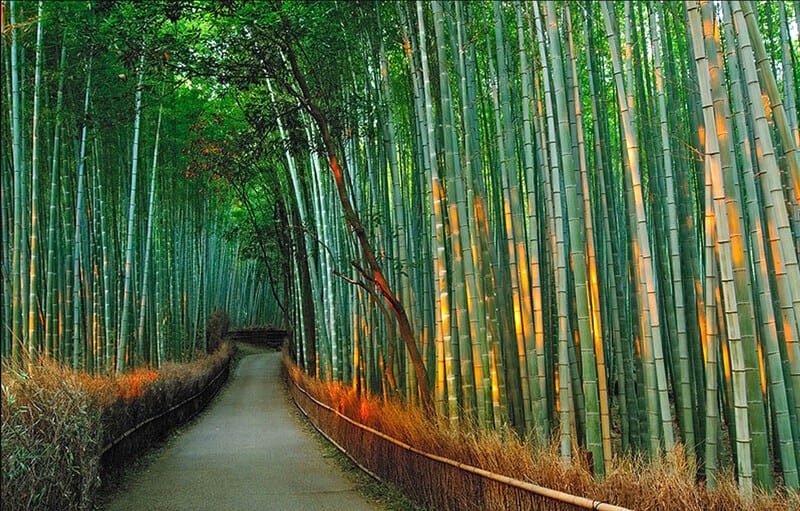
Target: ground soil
{"x":248,"y":451}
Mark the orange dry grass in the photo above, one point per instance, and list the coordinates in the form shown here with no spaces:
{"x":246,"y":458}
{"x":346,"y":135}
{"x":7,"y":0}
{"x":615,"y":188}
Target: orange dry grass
{"x":106,"y":389}
{"x":132,"y":385}
{"x":631,"y":481}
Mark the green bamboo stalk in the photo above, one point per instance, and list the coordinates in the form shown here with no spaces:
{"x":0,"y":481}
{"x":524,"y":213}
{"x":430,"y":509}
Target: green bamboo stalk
{"x":149,"y":238}
{"x":684,"y":397}
{"x":788,"y":76}
{"x":592,"y":282}
{"x":461,"y":259}
{"x":445,"y":377}
{"x":127,"y":297}
{"x":784,"y":258}
{"x":399,"y":214}
{"x":514,"y":243}
{"x":17,"y":242}
{"x":658,"y":406}
{"x":741,"y":263}
{"x":625,"y":382}
{"x":564,"y":391}
{"x":776,"y":103}
{"x":33,"y":296}
{"x":725,"y":257}
{"x":784,"y":418}
{"x":577,"y":244}
{"x":535,"y":355}
{"x":711,"y":341}
{"x":326,"y":265}
{"x":52,"y":218}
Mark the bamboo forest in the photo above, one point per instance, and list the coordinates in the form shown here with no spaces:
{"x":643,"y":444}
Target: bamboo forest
{"x":577,"y":222}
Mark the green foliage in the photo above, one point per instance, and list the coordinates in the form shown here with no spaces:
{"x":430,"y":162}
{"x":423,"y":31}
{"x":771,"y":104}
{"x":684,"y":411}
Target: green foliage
{"x":190,"y":211}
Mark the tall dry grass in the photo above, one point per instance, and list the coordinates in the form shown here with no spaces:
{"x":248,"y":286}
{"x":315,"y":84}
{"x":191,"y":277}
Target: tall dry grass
{"x":56,"y":422}
{"x":51,"y":438}
{"x":635,"y":482}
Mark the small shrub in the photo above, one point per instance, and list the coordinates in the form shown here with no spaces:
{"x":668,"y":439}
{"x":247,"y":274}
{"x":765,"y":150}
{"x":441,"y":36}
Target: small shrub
{"x":217,"y":329}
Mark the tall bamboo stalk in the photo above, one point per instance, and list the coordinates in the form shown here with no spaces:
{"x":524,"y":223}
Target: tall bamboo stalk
{"x":127,"y":296}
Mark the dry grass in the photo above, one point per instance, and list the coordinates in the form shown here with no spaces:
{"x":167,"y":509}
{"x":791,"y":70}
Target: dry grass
{"x":55,"y":423}
{"x":667,"y":483}
{"x":50,"y":440}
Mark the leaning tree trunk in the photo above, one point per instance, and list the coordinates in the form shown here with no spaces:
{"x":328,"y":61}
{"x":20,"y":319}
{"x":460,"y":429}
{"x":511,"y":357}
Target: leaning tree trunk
{"x":376,"y":275}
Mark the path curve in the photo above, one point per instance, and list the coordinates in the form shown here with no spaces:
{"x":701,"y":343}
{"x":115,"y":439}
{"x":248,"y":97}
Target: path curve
{"x":248,"y":451}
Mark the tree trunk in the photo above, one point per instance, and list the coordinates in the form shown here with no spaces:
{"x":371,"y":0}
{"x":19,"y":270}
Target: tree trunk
{"x":376,"y":275}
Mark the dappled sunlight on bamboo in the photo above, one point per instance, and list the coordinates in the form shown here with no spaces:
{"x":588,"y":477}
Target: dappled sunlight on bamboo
{"x":495,"y":379}
{"x":477,"y":368}
{"x":726,"y":360}
{"x":598,"y":348}
{"x":557,"y":389}
{"x":777,"y":259}
{"x":788,"y":331}
{"x":703,"y":339}
{"x":356,"y":363}
{"x":762,"y":370}
{"x":767,"y":105}
{"x":737,"y":242}
{"x":518,"y":326}
{"x":637,"y":344}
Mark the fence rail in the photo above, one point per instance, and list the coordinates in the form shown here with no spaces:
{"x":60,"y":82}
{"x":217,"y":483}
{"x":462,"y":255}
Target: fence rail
{"x":431,"y":480}
{"x":270,"y":338}
{"x":131,"y":440}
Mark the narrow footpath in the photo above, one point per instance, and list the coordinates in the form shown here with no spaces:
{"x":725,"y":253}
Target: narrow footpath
{"x":248,"y":451}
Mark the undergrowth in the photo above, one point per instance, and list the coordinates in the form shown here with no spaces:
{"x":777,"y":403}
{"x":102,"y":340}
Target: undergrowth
{"x":635,"y":482}
{"x":56,"y":423}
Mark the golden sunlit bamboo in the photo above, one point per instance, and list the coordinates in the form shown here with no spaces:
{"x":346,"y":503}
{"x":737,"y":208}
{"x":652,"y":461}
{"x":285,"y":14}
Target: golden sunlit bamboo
{"x":713,"y":167}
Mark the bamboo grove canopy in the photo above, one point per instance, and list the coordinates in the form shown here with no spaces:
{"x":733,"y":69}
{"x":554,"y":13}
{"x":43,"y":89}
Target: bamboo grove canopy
{"x":114,"y":254}
{"x":576,"y":219}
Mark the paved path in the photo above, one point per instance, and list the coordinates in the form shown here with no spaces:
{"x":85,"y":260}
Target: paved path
{"x":246,"y":452}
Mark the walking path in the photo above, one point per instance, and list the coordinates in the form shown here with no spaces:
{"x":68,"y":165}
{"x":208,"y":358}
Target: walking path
{"x":248,"y":451}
